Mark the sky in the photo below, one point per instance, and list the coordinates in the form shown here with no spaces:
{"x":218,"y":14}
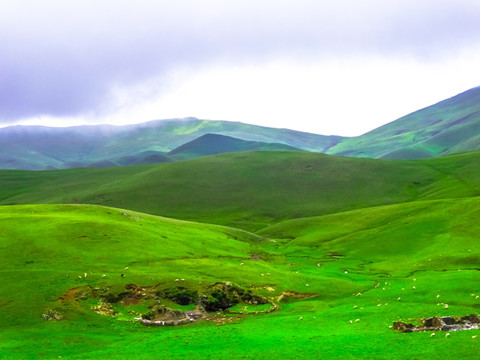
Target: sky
{"x":332,"y":67}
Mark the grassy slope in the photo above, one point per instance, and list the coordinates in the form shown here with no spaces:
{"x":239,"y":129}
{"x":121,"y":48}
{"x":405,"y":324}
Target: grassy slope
{"x":450,"y":126}
{"x":422,"y":255}
{"x":250,"y":190}
{"x":53,"y":244}
{"x":421,"y":244}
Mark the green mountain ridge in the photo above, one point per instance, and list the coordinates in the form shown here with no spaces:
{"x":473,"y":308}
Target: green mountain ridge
{"x":450,"y":126}
{"x":39,"y":148}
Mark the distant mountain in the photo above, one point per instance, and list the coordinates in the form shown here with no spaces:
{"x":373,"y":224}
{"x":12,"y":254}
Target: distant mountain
{"x":146,"y":157}
{"x":210,"y":144}
{"x":451,"y":126}
{"x":39,"y":147}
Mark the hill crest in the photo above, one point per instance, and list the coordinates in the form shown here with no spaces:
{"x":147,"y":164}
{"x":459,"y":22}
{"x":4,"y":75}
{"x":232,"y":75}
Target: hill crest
{"x":211,"y":144}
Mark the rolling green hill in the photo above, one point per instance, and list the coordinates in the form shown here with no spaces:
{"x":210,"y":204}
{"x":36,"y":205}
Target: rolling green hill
{"x":210,"y":144}
{"x":287,"y":254}
{"x":339,"y":282}
{"x":451,"y":126}
{"x":250,"y":190}
{"x":38,"y":147}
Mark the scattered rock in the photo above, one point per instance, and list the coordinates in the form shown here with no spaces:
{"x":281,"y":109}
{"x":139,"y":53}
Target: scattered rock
{"x":52,"y":315}
{"x":445,"y":323}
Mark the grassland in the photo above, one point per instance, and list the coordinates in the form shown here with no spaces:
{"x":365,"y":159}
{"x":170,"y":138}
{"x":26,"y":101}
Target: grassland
{"x":249,"y":190}
{"x":381,"y":253}
{"x":329,"y":240}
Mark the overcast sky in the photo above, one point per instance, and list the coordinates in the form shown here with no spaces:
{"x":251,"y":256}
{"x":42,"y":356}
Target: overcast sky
{"x":339,"y":67}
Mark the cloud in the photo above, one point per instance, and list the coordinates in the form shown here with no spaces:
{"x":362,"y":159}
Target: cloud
{"x":329,"y":97}
{"x":68,"y":58}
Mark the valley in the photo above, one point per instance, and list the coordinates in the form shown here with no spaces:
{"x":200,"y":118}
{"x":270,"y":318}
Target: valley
{"x":239,"y":180}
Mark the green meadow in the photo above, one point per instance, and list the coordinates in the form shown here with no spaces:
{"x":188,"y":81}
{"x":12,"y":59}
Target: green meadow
{"x":249,"y":190}
{"x":342,"y":247}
